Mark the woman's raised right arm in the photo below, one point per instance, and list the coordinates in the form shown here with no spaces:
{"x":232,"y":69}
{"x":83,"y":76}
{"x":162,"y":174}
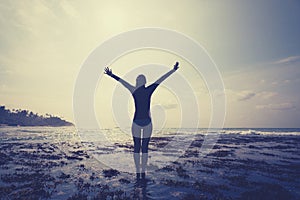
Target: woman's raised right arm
{"x":123,"y":82}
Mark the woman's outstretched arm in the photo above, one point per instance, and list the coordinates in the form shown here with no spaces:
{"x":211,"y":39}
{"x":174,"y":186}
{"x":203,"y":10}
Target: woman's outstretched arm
{"x":166,"y":75}
{"x":123,"y":82}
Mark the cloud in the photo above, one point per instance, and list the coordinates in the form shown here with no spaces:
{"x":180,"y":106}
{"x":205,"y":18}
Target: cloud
{"x":287,"y":60}
{"x":267,"y":95}
{"x":69,"y":9}
{"x":170,"y":106}
{"x":245,"y":95}
{"x":281,"y":106}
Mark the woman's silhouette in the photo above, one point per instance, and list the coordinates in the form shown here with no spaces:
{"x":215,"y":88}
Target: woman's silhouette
{"x":142,"y":124}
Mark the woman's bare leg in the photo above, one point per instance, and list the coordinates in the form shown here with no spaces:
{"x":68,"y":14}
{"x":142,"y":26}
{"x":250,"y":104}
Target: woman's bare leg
{"x":147,"y":131}
{"x":136,"y":133}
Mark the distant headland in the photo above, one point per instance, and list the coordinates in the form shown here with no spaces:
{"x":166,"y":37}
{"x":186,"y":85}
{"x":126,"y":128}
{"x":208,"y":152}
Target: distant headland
{"x":27,"y":118}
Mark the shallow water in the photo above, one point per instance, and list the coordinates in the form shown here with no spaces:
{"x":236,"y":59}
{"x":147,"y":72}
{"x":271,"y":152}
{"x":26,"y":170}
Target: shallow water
{"x":55,"y":163}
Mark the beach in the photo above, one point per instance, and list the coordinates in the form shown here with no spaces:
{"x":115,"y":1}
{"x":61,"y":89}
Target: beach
{"x":55,"y":163}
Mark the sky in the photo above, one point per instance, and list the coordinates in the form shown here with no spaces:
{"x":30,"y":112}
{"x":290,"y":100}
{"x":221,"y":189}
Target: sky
{"x":255,"y":45}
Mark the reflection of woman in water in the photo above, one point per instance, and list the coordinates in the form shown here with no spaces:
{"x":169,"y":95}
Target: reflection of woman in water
{"x":142,"y":125}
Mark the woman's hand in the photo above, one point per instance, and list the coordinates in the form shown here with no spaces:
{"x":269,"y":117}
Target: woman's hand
{"x":176,"y":66}
{"x":108,"y":71}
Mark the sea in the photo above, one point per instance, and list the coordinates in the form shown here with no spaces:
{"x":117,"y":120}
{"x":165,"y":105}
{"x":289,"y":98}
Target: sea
{"x":186,"y":163}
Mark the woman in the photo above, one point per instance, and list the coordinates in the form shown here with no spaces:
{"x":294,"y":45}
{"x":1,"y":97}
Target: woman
{"x":142,"y":124}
